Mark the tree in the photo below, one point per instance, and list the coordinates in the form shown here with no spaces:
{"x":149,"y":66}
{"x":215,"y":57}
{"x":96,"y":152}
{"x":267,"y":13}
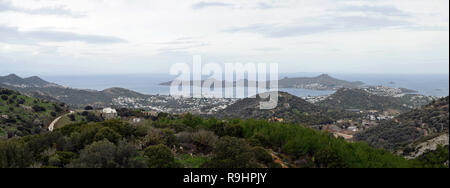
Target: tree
{"x":72,"y":117}
{"x":88,"y":108}
{"x":204,"y":140}
{"x":160,"y":156}
{"x":108,"y":134}
{"x":97,"y":155}
{"x":232,"y":152}
{"x":4,"y":97}
{"x":38,"y":108}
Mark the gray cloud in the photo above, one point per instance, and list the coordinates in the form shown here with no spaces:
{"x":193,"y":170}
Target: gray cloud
{"x":180,"y":44}
{"x":183,"y":48}
{"x":6,"y":6}
{"x":382,"y":10}
{"x":262,"y":5}
{"x":13,"y":35}
{"x":338,"y":24}
{"x":279,"y":31}
{"x":202,"y":5}
{"x":267,"y":49}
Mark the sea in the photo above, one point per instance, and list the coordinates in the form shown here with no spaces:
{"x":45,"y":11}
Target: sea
{"x":425,"y":84}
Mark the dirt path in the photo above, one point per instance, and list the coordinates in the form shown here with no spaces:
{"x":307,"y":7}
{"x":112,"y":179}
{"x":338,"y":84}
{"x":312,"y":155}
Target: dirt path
{"x":51,"y":127}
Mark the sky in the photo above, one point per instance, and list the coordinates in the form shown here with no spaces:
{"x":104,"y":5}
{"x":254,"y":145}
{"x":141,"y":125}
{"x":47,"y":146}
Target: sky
{"x":73,"y":37}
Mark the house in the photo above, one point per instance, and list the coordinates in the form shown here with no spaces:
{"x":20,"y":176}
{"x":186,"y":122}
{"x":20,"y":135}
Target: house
{"x":4,"y":116}
{"x":275,"y":119}
{"x":353,"y":129}
{"x":150,"y":113}
{"x":136,"y":120}
{"x":109,"y":113}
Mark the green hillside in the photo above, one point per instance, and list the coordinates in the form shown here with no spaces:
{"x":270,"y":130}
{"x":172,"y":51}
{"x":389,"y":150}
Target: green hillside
{"x":409,"y":127}
{"x":360,"y":99}
{"x":190,"y":141}
{"x":21,"y":115}
{"x":290,"y":108}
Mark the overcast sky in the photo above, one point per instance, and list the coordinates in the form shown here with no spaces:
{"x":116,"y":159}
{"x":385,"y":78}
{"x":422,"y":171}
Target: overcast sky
{"x":41,"y":37}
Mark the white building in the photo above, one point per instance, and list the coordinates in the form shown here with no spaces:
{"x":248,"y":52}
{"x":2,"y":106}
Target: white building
{"x":109,"y":113}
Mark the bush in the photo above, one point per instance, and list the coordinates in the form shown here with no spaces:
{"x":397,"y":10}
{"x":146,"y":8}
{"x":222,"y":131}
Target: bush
{"x":72,"y":117}
{"x":234,"y":130}
{"x":97,"y":155}
{"x":157,"y":136}
{"x":38,"y":108}
{"x":232,"y":152}
{"x":4,"y":97}
{"x":108,"y":134}
{"x":262,"y":155}
{"x":88,"y":108}
{"x":160,"y":156}
{"x":204,"y":140}
{"x":92,"y":118}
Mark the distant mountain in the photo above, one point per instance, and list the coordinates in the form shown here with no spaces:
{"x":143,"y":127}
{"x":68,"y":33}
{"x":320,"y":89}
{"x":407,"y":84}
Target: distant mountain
{"x":34,"y":81}
{"x":363,"y":100}
{"x":289,"y":109}
{"x":39,"y":88}
{"x":21,"y":115}
{"x":321,"y":82}
{"x":38,"y":82}
{"x":410,"y":127}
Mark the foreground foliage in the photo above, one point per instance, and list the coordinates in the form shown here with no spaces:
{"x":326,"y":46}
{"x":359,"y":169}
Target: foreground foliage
{"x":191,"y":141}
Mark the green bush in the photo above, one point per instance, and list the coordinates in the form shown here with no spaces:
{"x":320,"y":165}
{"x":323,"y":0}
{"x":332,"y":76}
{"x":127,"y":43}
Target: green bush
{"x":160,"y":156}
{"x":231,"y":152}
{"x":108,"y":134}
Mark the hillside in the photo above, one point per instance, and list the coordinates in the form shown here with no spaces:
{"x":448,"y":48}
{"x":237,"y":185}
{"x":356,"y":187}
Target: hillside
{"x":363,"y":100}
{"x":321,"y":82}
{"x":39,"y":88}
{"x":290,"y":108}
{"x":410,"y":127}
{"x":22,"y":115}
{"x":192,"y":142}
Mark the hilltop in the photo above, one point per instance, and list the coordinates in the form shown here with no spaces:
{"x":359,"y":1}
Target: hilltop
{"x":363,"y":100}
{"x":423,"y":124}
{"x":39,"y":88}
{"x":321,"y":82}
{"x":22,"y":115}
{"x":290,"y":108}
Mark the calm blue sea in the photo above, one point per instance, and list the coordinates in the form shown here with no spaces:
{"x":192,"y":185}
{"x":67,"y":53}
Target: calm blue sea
{"x":431,"y":85}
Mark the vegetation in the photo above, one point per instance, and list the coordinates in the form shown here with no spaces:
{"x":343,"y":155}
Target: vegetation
{"x":21,"y":115}
{"x":409,"y":127}
{"x":360,"y":99}
{"x":290,"y":108}
{"x":437,"y":158}
{"x":191,"y":141}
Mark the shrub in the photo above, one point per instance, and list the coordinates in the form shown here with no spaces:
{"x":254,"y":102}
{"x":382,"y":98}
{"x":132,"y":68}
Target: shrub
{"x":204,"y":140}
{"x":108,"y":134}
{"x":38,"y":108}
{"x":232,"y":152}
{"x":234,"y":130}
{"x":262,"y":155}
{"x":160,"y":156}
{"x":4,"y":97}
{"x":97,"y":155}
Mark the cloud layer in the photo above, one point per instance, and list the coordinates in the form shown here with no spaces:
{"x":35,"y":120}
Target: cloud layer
{"x":123,"y":36}
{"x":13,"y":35}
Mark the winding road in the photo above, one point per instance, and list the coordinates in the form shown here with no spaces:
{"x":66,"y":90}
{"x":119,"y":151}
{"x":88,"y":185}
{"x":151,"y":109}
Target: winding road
{"x":52,"y":125}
